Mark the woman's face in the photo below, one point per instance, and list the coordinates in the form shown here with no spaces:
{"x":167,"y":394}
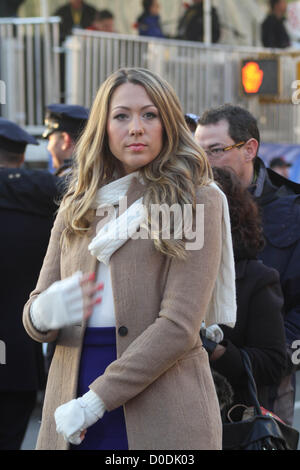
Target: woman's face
{"x":134,"y":127}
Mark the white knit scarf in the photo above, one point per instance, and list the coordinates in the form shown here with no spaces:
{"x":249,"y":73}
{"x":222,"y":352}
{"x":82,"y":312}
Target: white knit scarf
{"x":117,"y":230}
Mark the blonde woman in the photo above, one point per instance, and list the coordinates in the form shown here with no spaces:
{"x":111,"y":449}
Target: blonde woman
{"x":129,"y":370}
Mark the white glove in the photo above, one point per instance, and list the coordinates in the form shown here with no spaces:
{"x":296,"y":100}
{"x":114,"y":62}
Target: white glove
{"x":77,"y":415}
{"x":214,"y":333}
{"x":58,"y":306}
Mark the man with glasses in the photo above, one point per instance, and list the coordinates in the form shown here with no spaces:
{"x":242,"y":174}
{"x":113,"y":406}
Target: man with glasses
{"x":230,"y":137}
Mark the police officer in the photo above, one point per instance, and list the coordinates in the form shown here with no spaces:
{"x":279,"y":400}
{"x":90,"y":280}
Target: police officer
{"x":27,"y":211}
{"x":280,"y":166}
{"x":64,"y":124}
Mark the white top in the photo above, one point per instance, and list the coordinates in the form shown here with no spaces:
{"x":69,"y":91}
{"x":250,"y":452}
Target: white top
{"x":104,"y":313}
{"x":61,"y":304}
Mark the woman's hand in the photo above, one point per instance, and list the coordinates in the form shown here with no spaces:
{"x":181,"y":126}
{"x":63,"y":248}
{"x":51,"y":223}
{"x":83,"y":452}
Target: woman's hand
{"x":66,"y":302}
{"x":217,"y":353}
{"x":74,"y":417}
{"x":89,"y":290}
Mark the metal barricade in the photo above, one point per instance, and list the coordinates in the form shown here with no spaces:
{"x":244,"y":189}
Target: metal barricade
{"x":29,"y":68}
{"x":202,"y":76}
{"x":35,"y":70}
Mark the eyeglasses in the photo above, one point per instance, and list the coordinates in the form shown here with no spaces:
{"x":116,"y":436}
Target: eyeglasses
{"x":219,"y":152}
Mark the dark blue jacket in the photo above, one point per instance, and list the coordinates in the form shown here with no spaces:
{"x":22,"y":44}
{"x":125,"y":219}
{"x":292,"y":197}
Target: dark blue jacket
{"x":279,"y":200}
{"x":27,"y":212}
{"x":149,"y":25}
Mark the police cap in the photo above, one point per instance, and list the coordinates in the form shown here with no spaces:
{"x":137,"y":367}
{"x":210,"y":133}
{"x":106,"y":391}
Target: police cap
{"x":191,"y":118}
{"x":13,"y":138}
{"x":65,"y":118}
{"x":279,"y":162}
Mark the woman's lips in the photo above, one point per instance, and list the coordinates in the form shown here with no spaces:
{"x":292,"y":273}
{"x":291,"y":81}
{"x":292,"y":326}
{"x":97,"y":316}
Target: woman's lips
{"x":137,"y":147}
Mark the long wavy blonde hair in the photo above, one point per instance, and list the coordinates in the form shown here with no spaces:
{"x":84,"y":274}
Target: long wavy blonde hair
{"x":171,"y":178}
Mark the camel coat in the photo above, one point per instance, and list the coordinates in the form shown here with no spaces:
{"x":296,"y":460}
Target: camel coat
{"x":162,"y":375}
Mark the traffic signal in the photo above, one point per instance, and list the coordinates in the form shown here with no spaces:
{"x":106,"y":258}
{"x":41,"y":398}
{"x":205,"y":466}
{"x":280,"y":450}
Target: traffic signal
{"x":260,"y":77}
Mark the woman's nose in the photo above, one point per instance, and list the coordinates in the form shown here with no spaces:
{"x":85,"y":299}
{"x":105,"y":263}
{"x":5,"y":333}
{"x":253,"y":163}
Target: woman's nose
{"x":136,"y":127}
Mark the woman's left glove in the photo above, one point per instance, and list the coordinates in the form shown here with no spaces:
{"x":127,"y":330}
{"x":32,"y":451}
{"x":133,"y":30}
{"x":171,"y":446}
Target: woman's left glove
{"x":75,"y":416}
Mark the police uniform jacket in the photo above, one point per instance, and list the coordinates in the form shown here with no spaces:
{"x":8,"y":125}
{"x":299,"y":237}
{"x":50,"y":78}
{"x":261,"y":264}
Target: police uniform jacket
{"x":27,"y":211}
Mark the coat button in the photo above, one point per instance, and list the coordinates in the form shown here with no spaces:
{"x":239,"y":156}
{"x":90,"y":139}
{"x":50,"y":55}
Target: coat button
{"x":123,"y":331}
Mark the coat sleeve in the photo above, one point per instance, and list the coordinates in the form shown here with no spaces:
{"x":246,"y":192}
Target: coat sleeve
{"x":291,"y":291}
{"x":50,"y":272}
{"x":185,"y":301}
{"x":263,"y":336}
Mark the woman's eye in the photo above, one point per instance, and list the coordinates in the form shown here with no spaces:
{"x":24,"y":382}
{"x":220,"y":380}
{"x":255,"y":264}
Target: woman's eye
{"x":150,"y":115}
{"x":120,"y":117}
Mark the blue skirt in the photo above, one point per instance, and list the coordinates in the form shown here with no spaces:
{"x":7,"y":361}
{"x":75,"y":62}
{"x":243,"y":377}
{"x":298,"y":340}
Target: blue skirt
{"x":99,"y":350}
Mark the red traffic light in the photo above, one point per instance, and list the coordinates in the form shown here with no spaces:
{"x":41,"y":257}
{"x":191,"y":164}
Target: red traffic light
{"x":252,"y":77}
{"x":260,"y":77}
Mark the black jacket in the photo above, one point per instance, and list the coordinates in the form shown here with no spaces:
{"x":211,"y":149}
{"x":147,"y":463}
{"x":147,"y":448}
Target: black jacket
{"x":259,"y":330}
{"x":273,"y":33}
{"x":9,"y":8}
{"x":27,"y":211}
{"x":191,"y":25}
{"x":279,"y":200}
{"x":67,"y":23}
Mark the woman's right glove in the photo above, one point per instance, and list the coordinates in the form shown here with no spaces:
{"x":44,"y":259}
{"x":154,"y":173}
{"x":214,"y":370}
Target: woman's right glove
{"x":66,"y":302}
{"x":58,"y":306}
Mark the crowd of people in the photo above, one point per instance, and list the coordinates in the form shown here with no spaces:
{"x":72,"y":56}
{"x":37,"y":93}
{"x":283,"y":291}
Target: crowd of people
{"x":80,"y":14}
{"x":138,"y":319}
{"x":190,"y":26}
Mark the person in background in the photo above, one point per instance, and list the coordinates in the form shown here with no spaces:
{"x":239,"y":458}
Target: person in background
{"x":280,"y":166}
{"x":191,"y":25}
{"x":230,"y":136}
{"x":129,"y":370}
{"x":76,"y":13}
{"x":148,"y":22}
{"x":259,"y":328}
{"x":273,"y":30}
{"x":104,"y":21}
{"x":64,"y":125}
{"x":27,"y":212}
{"x":10,"y":9}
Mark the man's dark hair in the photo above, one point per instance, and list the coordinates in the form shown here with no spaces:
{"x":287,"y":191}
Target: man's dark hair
{"x":8,"y":158}
{"x":104,"y":15}
{"x":242,"y":125}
